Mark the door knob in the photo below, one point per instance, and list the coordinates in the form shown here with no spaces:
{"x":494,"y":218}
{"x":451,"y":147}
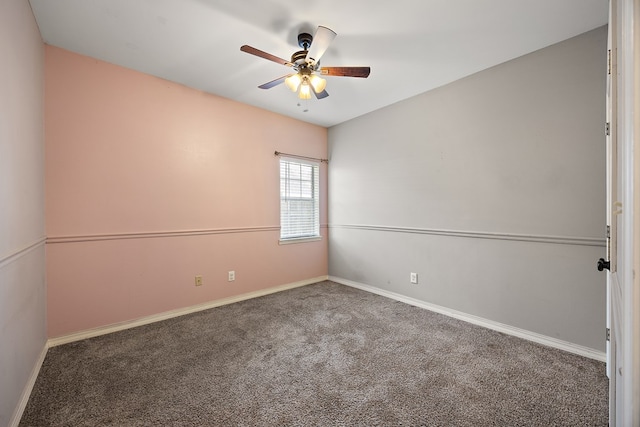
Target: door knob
{"x":602,"y":264}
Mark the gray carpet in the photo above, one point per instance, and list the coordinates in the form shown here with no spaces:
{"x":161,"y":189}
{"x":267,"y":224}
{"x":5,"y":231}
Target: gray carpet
{"x":320,"y":355}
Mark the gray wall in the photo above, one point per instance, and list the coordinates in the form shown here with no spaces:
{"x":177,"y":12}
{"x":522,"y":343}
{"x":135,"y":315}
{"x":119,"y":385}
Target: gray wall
{"x":491,"y":188}
{"x":22,"y":262}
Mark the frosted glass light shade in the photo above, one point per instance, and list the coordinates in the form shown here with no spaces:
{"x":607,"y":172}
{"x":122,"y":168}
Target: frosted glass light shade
{"x":293,"y":82}
{"x":318,"y":83}
{"x":305,"y":91}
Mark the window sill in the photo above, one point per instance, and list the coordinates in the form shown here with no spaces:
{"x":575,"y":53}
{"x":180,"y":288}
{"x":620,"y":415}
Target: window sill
{"x":299,"y":240}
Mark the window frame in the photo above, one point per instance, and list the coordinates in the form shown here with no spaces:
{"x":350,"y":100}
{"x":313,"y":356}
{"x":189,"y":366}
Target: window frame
{"x":315,"y":198}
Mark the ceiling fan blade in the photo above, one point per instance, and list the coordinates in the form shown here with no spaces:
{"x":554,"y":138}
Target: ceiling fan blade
{"x":275,"y":82}
{"x":265,"y":55}
{"x":346,"y":71}
{"x":321,"y":41}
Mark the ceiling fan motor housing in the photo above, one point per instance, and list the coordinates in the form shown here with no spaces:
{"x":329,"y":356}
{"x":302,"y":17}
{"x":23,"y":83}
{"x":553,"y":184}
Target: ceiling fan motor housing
{"x":299,"y":58}
{"x":304,"y":40}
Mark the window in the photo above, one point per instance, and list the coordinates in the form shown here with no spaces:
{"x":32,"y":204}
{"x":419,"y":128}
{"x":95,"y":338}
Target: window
{"x":299,"y":200}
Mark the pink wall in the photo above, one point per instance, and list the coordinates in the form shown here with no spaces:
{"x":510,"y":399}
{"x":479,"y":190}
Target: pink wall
{"x":145,"y":179}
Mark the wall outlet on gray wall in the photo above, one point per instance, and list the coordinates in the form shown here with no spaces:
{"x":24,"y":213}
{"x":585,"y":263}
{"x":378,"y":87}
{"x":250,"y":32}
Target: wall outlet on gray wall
{"x":414,"y":278}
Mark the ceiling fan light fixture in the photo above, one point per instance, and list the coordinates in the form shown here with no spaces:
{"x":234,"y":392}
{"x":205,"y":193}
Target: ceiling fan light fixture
{"x":293,"y":81}
{"x":318,"y":83}
{"x":305,"y":90}
{"x":305,"y":64}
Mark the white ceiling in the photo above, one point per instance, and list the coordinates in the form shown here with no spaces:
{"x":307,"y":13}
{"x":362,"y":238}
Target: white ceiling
{"x":412,"y":46}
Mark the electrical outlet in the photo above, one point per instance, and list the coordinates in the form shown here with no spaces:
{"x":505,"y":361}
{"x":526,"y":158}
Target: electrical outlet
{"x":198,"y":280}
{"x":414,"y":278}
{"x":232,"y":276}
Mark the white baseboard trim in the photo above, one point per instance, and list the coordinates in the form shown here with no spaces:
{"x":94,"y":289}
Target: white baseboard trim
{"x":28,"y":388}
{"x":490,"y":324}
{"x":103,"y":330}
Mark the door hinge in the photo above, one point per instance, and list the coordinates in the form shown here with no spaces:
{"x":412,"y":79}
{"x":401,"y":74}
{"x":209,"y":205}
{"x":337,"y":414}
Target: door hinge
{"x":609,"y":61}
{"x":608,"y":231}
{"x":608,"y":334}
{"x":607,"y":129}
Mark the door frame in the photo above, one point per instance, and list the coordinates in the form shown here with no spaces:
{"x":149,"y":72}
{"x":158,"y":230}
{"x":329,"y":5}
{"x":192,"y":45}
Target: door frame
{"x":613,"y":286}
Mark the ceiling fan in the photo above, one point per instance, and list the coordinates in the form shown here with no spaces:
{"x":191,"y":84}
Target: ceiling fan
{"x":306,"y":64}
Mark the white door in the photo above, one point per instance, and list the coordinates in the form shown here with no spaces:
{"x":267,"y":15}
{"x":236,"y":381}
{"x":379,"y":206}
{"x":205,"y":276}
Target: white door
{"x":623,"y":285}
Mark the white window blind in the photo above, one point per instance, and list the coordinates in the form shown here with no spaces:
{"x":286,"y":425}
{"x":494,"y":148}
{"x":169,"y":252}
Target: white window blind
{"x":299,"y":199}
